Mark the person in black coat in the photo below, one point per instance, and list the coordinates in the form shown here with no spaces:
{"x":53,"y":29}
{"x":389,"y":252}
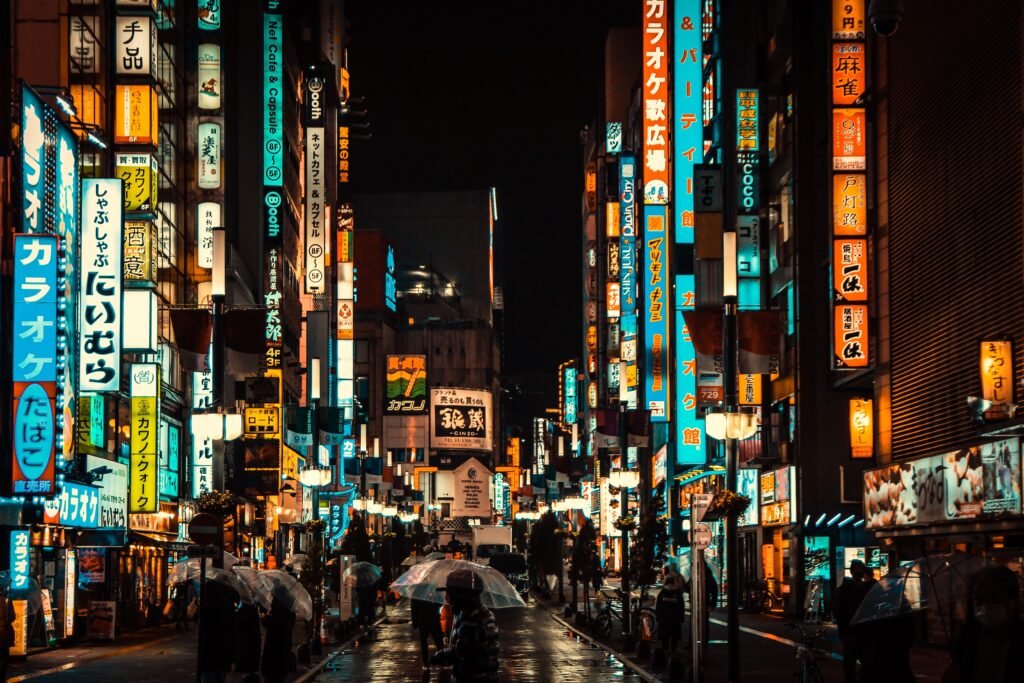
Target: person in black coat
{"x":990,"y":645}
{"x":277,"y":643}
{"x":247,"y":639}
{"x":366,"y":602}
{"x":849,"y":597}
{"x":473,"y":648}
{"x":669,"y":610}
{"x":217,"y":613}
{"x":426,"y":616}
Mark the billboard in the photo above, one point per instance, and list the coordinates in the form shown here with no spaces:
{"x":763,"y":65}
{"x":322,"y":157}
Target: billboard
{"x":100,"y":286}
{"x":656,"y":99}
{"x":113,"y":491}
{"x":689,"y":432}
{"x":472,"y":490}
{"x":686,"y":104}
{"x":139,"y":174}
{"x":461,"y":419}
{"x":316,"y":188}
{"x":656,"y":309}
{"x":145,"y":416}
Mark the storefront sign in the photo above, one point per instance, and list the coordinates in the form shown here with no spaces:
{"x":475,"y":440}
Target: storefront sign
{"x":848,"y":73}
{"x":207,"y":218}
{"x":316,"y":189}
{"x":850,"y":269}
{"x":749,"y":390}
{"x":657,"y":360}
{"x":778,"y":496}
{"x":101,"y":620}
{"x":34,"y":169}
{"x":613,"y":295}
{"x":343,"y":156}
{"x":92,"y":565}
{"x":113,"y":491}
{"x":35,"y":303}
{"x":19,"y":573}
{"x":568,"y":386}
{"x":997,"y":377}
{"x":848,"y":19}
{"x":262,"y":422}
{"x":135,"y":115}
{"x":209,"y":82}
{"x":202,"y":466}
{"x":139,"y":174}
{"x":461,"y":419}
{"x":145,"y":407}
{"x":849,"y":205}
{"x":79,"y":505}
{"x":139,"y":261}
{"x":34,"y":438}
{"x":472,"y":494}
{"x":613,"y":137}
{"x":273,"y":97}
{"x":135,"y":38}
{"x":100,"y":285}
{"x":208,"y":151}
{"x":656,"y":99}
{"x":849,"y":146}
{"x":690,"y":446}
{"x":406,"y":385}
{"x":850,"y":335}
{"x":272,"y":300}
{"x":862,"y":431}
{"x":973,"y":482}
{"x":627,"y":233}
{"x":208,"y":14}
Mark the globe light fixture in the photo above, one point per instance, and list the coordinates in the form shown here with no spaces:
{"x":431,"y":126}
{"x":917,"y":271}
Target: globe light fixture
{"x":737,"y":426}
{"x":624,"y":479}
{"x":315,"y":476}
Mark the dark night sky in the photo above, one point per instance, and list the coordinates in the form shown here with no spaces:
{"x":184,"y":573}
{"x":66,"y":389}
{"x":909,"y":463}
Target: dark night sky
{"x":465,"y":95}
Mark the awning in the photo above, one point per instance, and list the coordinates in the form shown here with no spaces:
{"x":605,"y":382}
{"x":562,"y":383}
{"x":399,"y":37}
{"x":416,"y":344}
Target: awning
{"x":700,"y":472}
{"x":158,"y":540}
{"x":100,"y":538}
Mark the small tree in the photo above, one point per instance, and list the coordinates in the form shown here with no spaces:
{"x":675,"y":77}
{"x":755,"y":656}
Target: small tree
{"x":649,"y":549}
{"x":584,"y":565}
{"x":355,"y":541}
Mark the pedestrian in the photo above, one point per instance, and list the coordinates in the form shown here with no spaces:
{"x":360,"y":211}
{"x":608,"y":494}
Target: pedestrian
{"x":711,"y":588}
{"x":247,"y":640}
{"x":181,"y":597}
{"x":884,"y":646}
{"x":276,"y":657}
{"x":472,"y":651}
{"x":426,"y":616}
{"x":366,"y":604}
{"x":991,"y":643}
{"x":849,"y":596}
{"x":669,"y":610}
{"x":216,"y":613}
{"x":7,"y":618}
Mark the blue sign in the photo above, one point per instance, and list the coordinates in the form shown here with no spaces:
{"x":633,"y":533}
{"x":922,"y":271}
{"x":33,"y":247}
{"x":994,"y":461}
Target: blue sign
{"x":390,"y":283}
{"x":79,"y":505}
{"x":35,"y":308}
{"x":569,"y":394}
{"x":627,"y":233}
{"x":690,"y":448}
{"x":273,"y":96}
{"x":656,"y":243}
{"x":19,"y":559}
{"x":67,"y":229}
{"x":687,"y":105}
{"x":168,"y":483}
{"x":348,"y":448}
{"x":33,"y":161}
{"x":613,"y":137}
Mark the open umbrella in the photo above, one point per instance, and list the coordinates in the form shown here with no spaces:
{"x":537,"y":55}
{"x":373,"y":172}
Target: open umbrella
{"x":423,"y":581}
{"x":435,"y":556}
{"x":232,"y":581}
{"x":300,"y":561}
{"x":286,"y":589}
{"x":361,"y":575}
{"x":251,"y":578}
{"x":187,"y":570}
{"x":412,"y":560}
{"x":30,"y":592}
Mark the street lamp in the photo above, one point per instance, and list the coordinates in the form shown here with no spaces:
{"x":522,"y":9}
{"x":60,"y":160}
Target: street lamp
{"x":624,"y":480}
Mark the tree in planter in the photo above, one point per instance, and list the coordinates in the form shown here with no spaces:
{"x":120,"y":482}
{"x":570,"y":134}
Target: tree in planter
{"x":355,"y":541}
{"x":649,"y":549}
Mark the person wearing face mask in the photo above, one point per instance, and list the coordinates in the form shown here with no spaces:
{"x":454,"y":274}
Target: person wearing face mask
{"x":991,"y":642}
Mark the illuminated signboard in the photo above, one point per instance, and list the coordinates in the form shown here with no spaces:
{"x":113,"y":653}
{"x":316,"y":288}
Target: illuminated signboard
{"x":461,"y":419}
{"x":79,"y":505}
{"x":273,"y":96}
{"x":83,"y":45}
{"x":89,"y":424}
{"x":612,"y":299}
{"x":747,"y":136}
{"x":850,"y":269}
{"x":139,"y":260}
{"x":656,"y":311}
{"x":749,"y":390}
{"x":406,"y":385}
{"x":747,"y":485}
{"x":997,"y":376}
{"x":656,"y":100}
{"x":569,"y":395}
{"x":209,"y":82}
{"x":778,"y":496}
{"x":627,"y":232}
{"x":262,"y":421}
{"x":690,"y":448}
{"x":113,"y":491}
{"x":851,"y":336}
{"x":315,"y":186}
{"x":849,"y":139}
{"x":613,"y":137}
{"x":20,"y":564}
{"x":145,"y":415}
{"x":748,"y":246}
{"x":848,"y":77}
{"x":208,"y":153}
{"x":34,"y":162}
{"x":208,"y":14}
{"x":689,"y":130}
{"x":207,"y":218}
{"x":100,"y":285}
{"x":139,"y":174}
{"x":848,"y":19}
{"x":861,"y":429}
{"x":390,"y":282}
{"x":35,"y":438}
{"x":343,"y":155}
{"x":135,"y":115}
{"x":849,"y":204}
{"x":135,"y":40}
{"x":36,"y":275}
{"x":202,"y":466}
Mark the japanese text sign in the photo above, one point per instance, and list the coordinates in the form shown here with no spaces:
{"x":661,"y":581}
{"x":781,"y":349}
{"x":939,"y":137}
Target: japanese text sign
{"x":135,"y":115}
{"x":139,"y":262}
{"x":850,"y":336}
{"x":34,"y":160}
{"x":849,"y":204}
{"x":316,"y":199}
{"x":997,"y":376}
{"x":848,"y":19}
{"x":849,"y":146}
{"x":850,"y":270}
{"x":690,"y":446}
{"x":686,"y":108}
{"x":207,"y":218}
{"x":135,"y":39}
{"x":861,"y":429}
{"x":79,"y":505}
{"x":34,"y":438}
{"x":139,"y":173}
{"x":847,"y":73}
{"x":34,"y":304}
{"x":656,"y":100}
{"x":747,"y":136}
{"x":406,"y":385}
{"x":208,"y":153}
{"x":462,"y":419}
{"x":20,"y":564}
{"x":657,"y":361}
{"x":100,"y":285}
{"x":145,"y":416}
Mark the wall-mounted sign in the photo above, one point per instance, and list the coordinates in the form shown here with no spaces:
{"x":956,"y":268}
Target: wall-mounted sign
{"x":849,"y":205}
{"x":343,"y":156}
{"x":627,"y":233}
{"x":113,"y":491}
{"x":135,"y":115}
{"x":462,"y":419}
{"x":316,"y":190}
{"x":749,"y":390}
{"x":613,"y":137}
{"x":100,"y":285}
{"x":748,"y":246}
{"x":778,"y":496}
{"x":34,"y":442}
{"x":262,"y":421}
{"x":406,"y":385}
{"x":613,"y":294}
{"x":139,"y":174}
{"x":747,"y":484}
{"x":79,"y":505}
{"x":207,"y":218}
{"x":656,"y":100}
{"x":208,"y":153}
{"x":848,"y":19}
{"x":135,"y":40}
{"x":35,"y":298}
{"x":848,"y":73}
{"x":472,"y":490}
{"x":390,"y":281}
{"x":90,"y":423}
{"x":209,"y":82}
{"x":687,"y":49}
{"x":862,"y":433}
{"x":997,"y":377}
{"x":850,"y":269}
{"x":850,"y":336}
{"x":142,"y":308}
{"x":145,"y":416}
{"x":202,"y":466}
{"x":656,"y":308}
{"x":690,"y":446}
{"x":273,"y":98}
{"x":139,"y":260}
{"x":849,"y":139}
{"x":208,"y":14}
{"x":34,"y":161}
{"x":83,"y":39}
{"x":567,"y":380}
{"x":20,"y":564}
{"x":748,"y":138}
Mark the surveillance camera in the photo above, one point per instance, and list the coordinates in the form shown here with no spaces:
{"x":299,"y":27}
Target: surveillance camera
{"x":885,"y":16}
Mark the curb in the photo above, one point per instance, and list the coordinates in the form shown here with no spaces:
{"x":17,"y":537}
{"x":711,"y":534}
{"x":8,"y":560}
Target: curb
{"x":635,"y":668}
{"x":313,"y":672}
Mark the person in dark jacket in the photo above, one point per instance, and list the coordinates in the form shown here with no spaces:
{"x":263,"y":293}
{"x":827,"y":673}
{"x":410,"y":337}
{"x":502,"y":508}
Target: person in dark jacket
{"x":991,"y":643}
{"x":849,"y":596}
{"x":7,"y":618}
{"x":366,"y":603}
{"x":884,"y":647}
{"x":473,"y":648}
{"x":669,"y":610}
{"x":247,"y":639}
{"x":426,"y":616}
{"x":217,"y":612}
{"x":277,"y":643}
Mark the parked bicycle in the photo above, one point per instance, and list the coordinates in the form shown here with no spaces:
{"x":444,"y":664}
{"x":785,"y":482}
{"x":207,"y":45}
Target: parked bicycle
{"x":761,"y":598}
{"x":810,"y":652}
{"x":642,"y":618}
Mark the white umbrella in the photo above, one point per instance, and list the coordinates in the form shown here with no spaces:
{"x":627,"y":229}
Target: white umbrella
{"x":423,"y":581}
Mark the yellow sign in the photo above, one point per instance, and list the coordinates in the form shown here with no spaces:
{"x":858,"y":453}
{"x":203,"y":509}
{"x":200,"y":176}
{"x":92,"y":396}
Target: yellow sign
{"x":750,"y":390}
{"x":135,"y":115}
{"x":139,"y":263}
{"x":20,"y":646}
{"x":145,"y":473}
{"x":262,"y":422}
{"x":847,"y":19}
{"x":611,"y":219}
{"x":139,"y":173}
{"x":512,"y":451}
{"x":997,"y":376}
{"x":861,"y":430}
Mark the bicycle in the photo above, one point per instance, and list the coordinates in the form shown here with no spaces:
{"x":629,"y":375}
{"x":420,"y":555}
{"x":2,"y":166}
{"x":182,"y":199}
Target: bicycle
{"x":761,"y":598}
{"x":643,"y":618}
{"x":810,"y":653}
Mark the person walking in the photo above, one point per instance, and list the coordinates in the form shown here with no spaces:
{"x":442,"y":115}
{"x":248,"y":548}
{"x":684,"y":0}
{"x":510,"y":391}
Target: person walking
{"x":366,"y":603}
{"x":277,"y":642}
{"x":669,"y":610}
{"x":426,"y":616}
{"x":473,"y":648}
{"x":991,"y":643}
{"x":849,"y":596}
{"x":884,"y":648}
{"x":247,"y":641}
{"x":182,"y":596}
{"x":7,"y":618}
{"x":217,"y":612}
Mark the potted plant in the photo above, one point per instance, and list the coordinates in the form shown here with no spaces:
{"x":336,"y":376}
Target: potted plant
{"x":727,"y":503}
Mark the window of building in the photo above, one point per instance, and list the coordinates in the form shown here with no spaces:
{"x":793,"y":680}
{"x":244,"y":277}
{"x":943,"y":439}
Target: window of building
{"x":362,"y":351}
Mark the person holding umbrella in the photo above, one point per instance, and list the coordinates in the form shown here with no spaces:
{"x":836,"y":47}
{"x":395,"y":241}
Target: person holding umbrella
{"x":473,"y":648}
{"x":990,"y":645}
{"x":426,"y":616}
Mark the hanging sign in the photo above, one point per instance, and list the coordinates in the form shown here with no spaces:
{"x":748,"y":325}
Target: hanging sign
{"x":851,"y":336}
{"x":145,"y":416}
{"x":139,"y":262}
{"x":100,"y":285}
{"x":850,"y":270}
{"x":208,"y":12}
{"x":135,"y":115}
{"x":209,"y":80}
{"x":34,"y":442}
{"x":135,"y":40}
{"x":316,"y":189}
{"x":861,"y":429}
{"x":656,"y":97}
{"x":461,"y":419}
{"x":207,"y":218}
{"x":139,"y":174}
{"x":656,"y":310}
{"x":209,"y":156}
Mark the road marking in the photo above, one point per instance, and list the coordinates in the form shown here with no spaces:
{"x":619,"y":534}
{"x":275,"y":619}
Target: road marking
{"x":778,"y":639}
{"x":88,"y":660}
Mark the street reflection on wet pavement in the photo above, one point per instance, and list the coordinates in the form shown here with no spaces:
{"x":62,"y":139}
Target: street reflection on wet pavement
{"x":534,"y":648}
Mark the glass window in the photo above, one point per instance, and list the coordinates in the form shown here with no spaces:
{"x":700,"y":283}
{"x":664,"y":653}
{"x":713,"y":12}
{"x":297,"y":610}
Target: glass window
{"x":362,"y":351}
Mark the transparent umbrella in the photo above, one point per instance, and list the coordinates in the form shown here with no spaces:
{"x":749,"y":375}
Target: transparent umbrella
{"x":251,"y":578}
{"x":423,"y":581}
{"x":300,"y":561}
{"x":233,"y":581}
{"x":30,"y":592}
{"x":361,"y":574}
{"x":186,"y":570}
{"x":286,"y":589}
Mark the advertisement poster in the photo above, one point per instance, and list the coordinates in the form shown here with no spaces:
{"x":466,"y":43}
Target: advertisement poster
{"x":101,"y":620}
{"x":462,"y":419}
{"x":747,"y":482}
{"x":816,"y":558}
{"x":406,"y":385}
{"x":92,"y":565}
{"x":113,"y":486}
{"x":472,"y":491}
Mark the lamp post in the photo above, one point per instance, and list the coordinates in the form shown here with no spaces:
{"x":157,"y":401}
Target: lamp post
{"x":624,"y":479}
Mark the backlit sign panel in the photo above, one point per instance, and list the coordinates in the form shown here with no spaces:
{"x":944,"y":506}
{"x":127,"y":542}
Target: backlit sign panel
{"x":139,"y":261}
{"x":20,"y":564}
{"x":613,"y":137}
{"x":850,"y":270}
{"x":461,"y":419}
{"x":569,"y":395}
{"x":34,"y":304}
{"x":207,"y":218}
{"x":848,"y":75}
{"x":208,"y":153}
{"x":848,"y":19}
{"x":135,"y":42}
{"x":100,"y":285}
{"x":135,"y":115}
{"x":79,"y":505}
{"x":34,"y":439}
{"x":849,"y":139}
{"x":861,"y":428}
{"x":209,"y":82}
{"x":689,"y":129}
{"x":145,"y":423}
{"x":690,"y":448}
{"x":273,"y":98}
{"x":849,"y":205}
{"x":405,"y":388}
{"x":33,"y":160}
{"x":656,"y":311}
{"x":208,"y":14}
{"x":139,"y":174}
{"x":747,"y":136}
{"x":850,"y":335}
{"x":656,"y":101}
{"x":316,"y":189}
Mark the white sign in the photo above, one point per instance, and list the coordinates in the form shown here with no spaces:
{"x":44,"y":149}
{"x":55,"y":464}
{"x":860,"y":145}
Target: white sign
{"x":136,"y":45}
{"x":472,"y":490}
{"x":141,"y":307}
{"x":207,"y":218}
{"x":209,"y":81}
{"x":202,"y":390}
{"x":100,"y":285}
{"x":208,"y":152}
{"x":316,"y":211}
{"x":113,"y":491}
{"x":461,"y":419}
{"x":202,"y":466}
{"x":699,"y":504}
{"x":700,"y":536}
{"x":82,"y":39}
